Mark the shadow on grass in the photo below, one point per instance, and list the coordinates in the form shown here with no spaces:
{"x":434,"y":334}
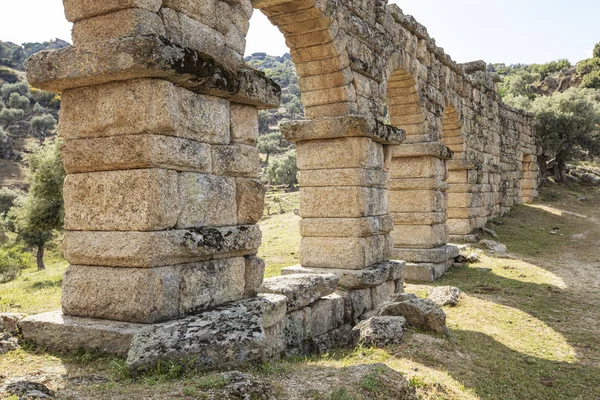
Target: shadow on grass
{"x":46,"y":284}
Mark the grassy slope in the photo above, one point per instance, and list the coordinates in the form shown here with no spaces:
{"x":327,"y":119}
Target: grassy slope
{"x":527,"y":329}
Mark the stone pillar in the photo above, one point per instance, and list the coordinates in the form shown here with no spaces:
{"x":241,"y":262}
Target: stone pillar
{"x":418,"y":205}
{"x":344,"y":165}
{"x":162,"y":194}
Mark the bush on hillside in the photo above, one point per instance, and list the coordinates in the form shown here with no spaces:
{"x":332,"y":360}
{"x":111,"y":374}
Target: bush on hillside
{"x":591,"y":80}
{"x":12,"y":261}
{"x":586,"y":66}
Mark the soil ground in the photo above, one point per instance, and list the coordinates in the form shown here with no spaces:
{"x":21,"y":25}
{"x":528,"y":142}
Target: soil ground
{"x":526,"y":327}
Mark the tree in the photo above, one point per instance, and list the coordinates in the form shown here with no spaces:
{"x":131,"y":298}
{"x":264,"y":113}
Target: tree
{"x":567,"y":127}
{"x":21,"y":88}
{"x":18,"y":101}
{"x":269,"y":144}
{"x":9,"y":116}
{"x":8,"y":198}
{"x":283,"y":170}
{"x":597,"y":50}
{"x":42,"y":125}
{"x":264,"y":118}
{"x":591,"y":80}
{"x":42,"y":211}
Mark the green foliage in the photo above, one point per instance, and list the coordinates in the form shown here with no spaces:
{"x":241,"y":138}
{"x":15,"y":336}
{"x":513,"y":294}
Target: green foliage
{"x":586,"y":66}
{"x":283,"y":169}
{"x":42,"y":211}
{"x":9,"y":116}
{"x":597,"y":50}
{"x":543,"y":70}
{"x":271,"y":143}
{"x":18,"y":101}
{"x":567,"y":124}
{"x":12,"y":260}
{"x":7,"y":75}
{"x":592,"y":80}
{"x":8,"y":198}
{"x":21,"y":88}
{"x":42,"y":125}
{"x":519,"y":84}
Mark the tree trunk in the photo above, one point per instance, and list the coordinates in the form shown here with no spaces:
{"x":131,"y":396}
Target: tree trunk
{"x":267,"y":160}
{"x":543,"y":164}
{"x":40,"y":258}
{"x":560,"y":170}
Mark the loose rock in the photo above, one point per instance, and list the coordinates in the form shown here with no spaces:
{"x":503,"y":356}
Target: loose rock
{"x":421,"y":313}
{"x":382,"y":330}
{"x":9,"y":322}
{"x":26,"y":390}
{"x":445,"y":295}
{"x":8,"y":343}
{"x":493,"y":246}
{"x":301,"y":289}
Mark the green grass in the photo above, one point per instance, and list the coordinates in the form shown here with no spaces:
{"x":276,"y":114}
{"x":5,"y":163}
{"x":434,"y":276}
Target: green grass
{"x":35,"y":291}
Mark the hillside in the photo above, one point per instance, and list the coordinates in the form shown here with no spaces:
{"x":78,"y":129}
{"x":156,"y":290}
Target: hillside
{"x":27,"y":115}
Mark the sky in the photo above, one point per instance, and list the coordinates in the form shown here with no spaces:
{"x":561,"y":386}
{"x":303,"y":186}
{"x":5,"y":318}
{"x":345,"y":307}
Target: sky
{"x":508,"y":31}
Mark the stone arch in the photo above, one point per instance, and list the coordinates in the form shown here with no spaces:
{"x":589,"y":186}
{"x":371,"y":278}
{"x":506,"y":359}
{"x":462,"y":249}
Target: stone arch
{"x":404,"y":105}
{"x":317,"y":49}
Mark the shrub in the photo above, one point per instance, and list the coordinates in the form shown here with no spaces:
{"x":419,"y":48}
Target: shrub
{"x":586,"y":66}
{"x":591,"y":80}
{"x":12,"y":260}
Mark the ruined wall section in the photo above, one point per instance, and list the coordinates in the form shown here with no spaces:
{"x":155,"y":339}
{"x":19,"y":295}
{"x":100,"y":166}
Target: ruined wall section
{"x":495,"y":146}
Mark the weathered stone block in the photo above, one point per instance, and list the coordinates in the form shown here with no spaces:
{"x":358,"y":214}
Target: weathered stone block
{"x":143,"y":106}
{"x":255,"y":272}
{"x":162,"y":248}
{"x":346,"y":227}
{"x":349,"y":279}
{"x":211,"y":283}
{"x":418,"y":167}
{"x":132,"y":200}
{"x":57,"y":331}
{"x":422,"y":201}
{"x":356,"y":302}
{"x":236,"y":160}
{"x":437,"y":255}
{"x":415,"y":218}
{"x":244,"y":124}
{"x":353,"y":152}
{"x":77,"y":10}
{"x":127,"y":22}
{"x":342,"y":202}
{"x":135,"y":295}
{"x":134,"y":152}
{"x":424,"y":272}
{"x":297,"y":329}
{"x":420,"y":236}
{"x":250,"y":198}
{"x":302,"y":289}
{"x":327,"y":314}
{"x":382,"y":293}
{"x":343,"y":177}
{"x":206,"y":200}
{"x":343,"y":253}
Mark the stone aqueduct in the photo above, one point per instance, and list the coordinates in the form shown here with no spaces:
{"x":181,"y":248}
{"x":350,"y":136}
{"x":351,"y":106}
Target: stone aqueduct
{"x":160,"y":124}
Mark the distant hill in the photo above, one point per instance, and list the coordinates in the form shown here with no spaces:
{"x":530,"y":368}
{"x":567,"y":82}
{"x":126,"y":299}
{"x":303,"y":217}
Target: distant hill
{"x":14,"y":55}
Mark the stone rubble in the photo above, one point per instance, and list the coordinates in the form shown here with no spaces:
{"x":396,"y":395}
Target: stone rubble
{"x":445,"y":295}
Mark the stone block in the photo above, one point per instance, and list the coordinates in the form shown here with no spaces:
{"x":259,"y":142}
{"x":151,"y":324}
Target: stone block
{"x":343,"y":177}
{"x":302,"y":289}
{"x":346,"y":227}
{"x":356,"y":302}
{"x":206,"y":200}
{"x":143,"y":106}
{"x":150,"y":56}
{"x":420,"y":236}
{"x":460,"y":226}
{"x":437,"y":255}
{"x":297,"y":329}
{"x":327,"y":314}
{"x":382,"y":293}
{"x":57,"y":331}
{"x":161,"y":248}
{"x":418,"y":167}
{"x":236,"y":160}
{"x":127,"y":22}
{"x":149,"y":295}
{"x":355,"y":152}
{"x":255,"y":272}
{"x":421,"y":201}
{"x":135,"y":152}
{"x":419,"y":184}
{"x":123,"y":294}
{"x":416,"y":218}
{"x":424,"y":272}
{"x":131,"y":200}
{"x":350,"y":279}
{"x":343,"y":253}
{"x":244,"y":124}
{"x":210,"y":283}
{"x":250,"y":198}
{"x":77,"y":10}
{"x":229,"y":336}
{"x":342,"y":202}
{"x":193,"y":34}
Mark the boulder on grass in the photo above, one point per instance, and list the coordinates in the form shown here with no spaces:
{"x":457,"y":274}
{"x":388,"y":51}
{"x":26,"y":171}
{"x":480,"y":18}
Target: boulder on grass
{"x":420,"y":313}
{"x":381,"y":331}
{"x":445,"y":295}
